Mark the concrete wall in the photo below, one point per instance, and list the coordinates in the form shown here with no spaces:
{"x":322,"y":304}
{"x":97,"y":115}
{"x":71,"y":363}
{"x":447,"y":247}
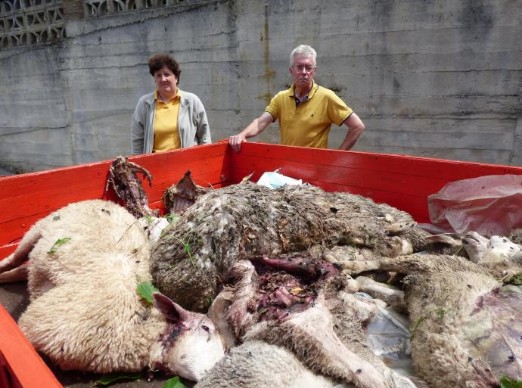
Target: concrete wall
{"x":437,"y":78}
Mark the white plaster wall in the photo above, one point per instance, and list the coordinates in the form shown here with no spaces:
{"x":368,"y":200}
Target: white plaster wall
{"x":437,"y":78}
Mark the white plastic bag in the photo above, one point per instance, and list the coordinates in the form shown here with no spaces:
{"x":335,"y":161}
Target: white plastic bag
{"x":274,"y":180}
{"x":490,"y":205}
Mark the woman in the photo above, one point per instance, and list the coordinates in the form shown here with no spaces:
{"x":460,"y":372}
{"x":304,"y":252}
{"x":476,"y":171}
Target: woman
{"x":168,"y":118}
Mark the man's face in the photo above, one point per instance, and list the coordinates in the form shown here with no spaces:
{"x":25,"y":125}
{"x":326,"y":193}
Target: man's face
{"x":303,"y":70}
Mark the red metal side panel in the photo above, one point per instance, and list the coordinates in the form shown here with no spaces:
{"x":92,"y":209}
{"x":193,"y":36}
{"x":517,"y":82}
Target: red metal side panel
{"x":20,"y":364}
{"x":206,"y":163}
{"x":26,"y":198}
{"x":6,"y":250}
{"x":399,"y":180}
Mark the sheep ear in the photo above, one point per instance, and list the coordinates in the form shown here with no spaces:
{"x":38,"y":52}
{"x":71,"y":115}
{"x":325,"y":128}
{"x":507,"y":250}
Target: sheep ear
{"x":172,"y":311}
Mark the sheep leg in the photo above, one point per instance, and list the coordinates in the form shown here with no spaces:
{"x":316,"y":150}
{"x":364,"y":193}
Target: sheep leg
{"x":310,"y":272}
{"x":238,"y":314}
{"x":357,"y":266}
{"x":335,"y":354}
{"x":310,"y":336}
{"x":14,"y":275}
{"x":20,"y":256}
{"x":390,"y":295}
{"x":404,"y":265}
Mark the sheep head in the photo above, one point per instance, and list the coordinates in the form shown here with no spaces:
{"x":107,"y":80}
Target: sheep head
{"x":191,"y":344}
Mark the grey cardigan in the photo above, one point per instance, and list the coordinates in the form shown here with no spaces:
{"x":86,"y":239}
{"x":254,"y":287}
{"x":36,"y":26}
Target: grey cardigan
{"x":192,"y":123}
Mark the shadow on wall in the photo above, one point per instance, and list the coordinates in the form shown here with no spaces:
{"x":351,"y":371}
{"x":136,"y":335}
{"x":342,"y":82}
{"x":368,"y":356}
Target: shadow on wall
{"x":4,"y":172}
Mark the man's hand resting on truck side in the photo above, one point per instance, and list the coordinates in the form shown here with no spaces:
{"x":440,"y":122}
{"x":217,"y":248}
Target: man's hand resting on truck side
{"x":257,"y":126}
{"x":235,"y":141}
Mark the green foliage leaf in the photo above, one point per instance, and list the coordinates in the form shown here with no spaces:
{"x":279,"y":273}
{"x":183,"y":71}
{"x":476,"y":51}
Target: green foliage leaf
{"x":145,"y":290}
{"x":172,"y":218}
{"x":516,"y":280}
{"x":112,"y":378}
{"x":188,"y":250}
{"x":58,"y":243}
{"x":506,"y":382}
{"x":174,"y":382}
{"x":440,"y":312}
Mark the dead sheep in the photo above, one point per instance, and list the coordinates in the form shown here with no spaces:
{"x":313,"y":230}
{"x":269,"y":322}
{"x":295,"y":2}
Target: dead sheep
{"x":259,"y":364}
{"x":495,"y":249}
{"x":466,"y":330}
{"x":85,"y":262}
{"x":302,"y":306}
{"x":230,"y":224}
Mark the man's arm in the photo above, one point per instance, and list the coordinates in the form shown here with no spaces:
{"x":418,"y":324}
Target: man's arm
{"x":355,"y":129}
{"x":257,"y":126}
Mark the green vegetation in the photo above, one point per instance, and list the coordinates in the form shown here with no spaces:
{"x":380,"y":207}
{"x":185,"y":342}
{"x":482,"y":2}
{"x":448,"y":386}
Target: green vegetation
{"x":145,"y":290}
{"x":440,"y":314}
{"x":506,"y":382}
{"x":112,"y":378}
{"x":58,"y":243}
{"x":174,"y":382}
{"x":516,"y":280}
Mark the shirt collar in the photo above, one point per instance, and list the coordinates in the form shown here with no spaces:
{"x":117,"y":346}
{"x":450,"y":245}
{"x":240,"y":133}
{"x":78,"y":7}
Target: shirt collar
{"x":177,"y":96}
{"x":311,"y":93}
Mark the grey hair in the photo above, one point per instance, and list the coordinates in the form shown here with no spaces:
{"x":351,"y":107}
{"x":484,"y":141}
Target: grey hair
{"x":303,"y":49}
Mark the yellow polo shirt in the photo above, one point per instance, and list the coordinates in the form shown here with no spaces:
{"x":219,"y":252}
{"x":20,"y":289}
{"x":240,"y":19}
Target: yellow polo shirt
{"x":166,"y":131}
{"x":308,"y":124}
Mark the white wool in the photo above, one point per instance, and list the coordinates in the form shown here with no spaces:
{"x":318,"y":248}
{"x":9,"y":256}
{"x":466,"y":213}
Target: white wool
{"x":86,"y":261}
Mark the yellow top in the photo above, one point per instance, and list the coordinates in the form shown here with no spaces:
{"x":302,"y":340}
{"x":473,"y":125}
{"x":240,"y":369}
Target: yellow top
{"x":166,"y":131}
{"x":308,"y":123}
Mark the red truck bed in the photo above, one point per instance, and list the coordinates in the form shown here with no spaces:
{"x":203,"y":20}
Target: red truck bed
{"x":402,"y":181}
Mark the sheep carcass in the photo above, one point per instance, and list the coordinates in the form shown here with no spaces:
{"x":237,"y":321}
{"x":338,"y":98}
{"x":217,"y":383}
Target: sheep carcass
{"x":259,"y":364}
{"x":85,"y":263}
{"x":301,"y":305}
{"x":467,"y":330}
{"x":240,"y":221}
{"x":491,"y":250}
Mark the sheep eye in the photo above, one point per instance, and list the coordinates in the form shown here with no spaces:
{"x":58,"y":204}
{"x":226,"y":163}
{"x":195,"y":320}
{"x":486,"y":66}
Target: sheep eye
{"x":206,"y":328}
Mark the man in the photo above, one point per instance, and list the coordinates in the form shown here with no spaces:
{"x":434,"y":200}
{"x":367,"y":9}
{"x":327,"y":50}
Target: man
{"x":306,"y":111}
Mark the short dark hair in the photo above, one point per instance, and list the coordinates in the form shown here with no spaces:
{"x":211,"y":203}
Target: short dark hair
{"x":156,"y":62}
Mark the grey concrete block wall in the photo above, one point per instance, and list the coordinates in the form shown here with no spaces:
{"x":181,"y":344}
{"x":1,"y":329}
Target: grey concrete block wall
{"x":435,"y":78}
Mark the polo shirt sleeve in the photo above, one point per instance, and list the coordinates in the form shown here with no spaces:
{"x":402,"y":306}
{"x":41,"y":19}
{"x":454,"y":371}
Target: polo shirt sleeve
{"x":274,"y":108}
{"x":338,"y":111}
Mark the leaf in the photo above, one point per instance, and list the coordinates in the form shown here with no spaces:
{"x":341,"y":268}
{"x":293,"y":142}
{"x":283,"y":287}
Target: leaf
{"x":516,"y":280}
{"x":58,"y":243}
{"x":506,"y":382}
{"x":188,"y":250}
{"x":439,"y":312}
{"x":111,"y":378}
{"x":174,"y":382}
{"x":145,"y":290}
{"x":172,"y":218}
{"x":413,"y":328}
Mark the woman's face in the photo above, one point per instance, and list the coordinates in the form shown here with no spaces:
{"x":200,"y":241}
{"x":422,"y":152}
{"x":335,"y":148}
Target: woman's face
{"x":166,"y":82}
